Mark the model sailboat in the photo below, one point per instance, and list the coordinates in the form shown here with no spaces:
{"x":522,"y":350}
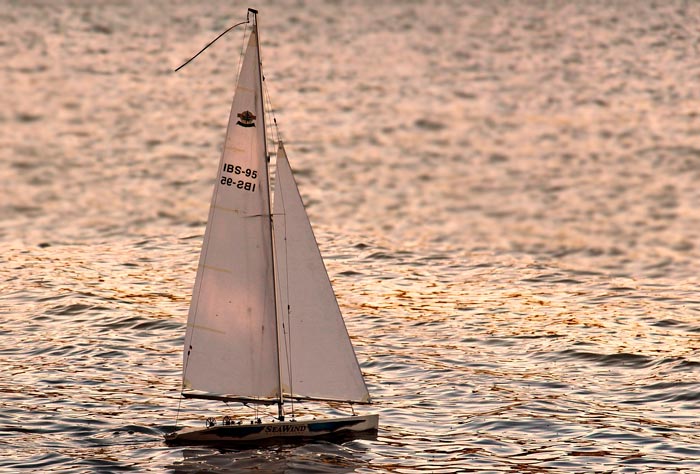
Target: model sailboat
{"x":264,"y":326}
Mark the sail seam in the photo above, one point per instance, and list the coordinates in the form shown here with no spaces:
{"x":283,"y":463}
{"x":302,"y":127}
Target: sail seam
{"x":217,"y":269}
{"x":235,"y":148}
{"x":205,"y":328}
{"x":227,"y":209}
{"x":245,"y":89}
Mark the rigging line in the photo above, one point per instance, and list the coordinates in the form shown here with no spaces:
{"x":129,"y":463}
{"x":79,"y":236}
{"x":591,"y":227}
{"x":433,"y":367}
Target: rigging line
{"x":271,"y":111}
{"x":240,"y":56}
{"x":287,"y":311}
{"x":177,"y":416}
{"x":289,"y":316}
{"x":212,"y":42}
{"x":274,"y":128}
{"x":270,"y":108}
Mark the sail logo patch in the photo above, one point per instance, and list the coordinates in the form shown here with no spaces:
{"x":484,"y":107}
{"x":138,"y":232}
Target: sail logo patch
{"x":247,"y":119}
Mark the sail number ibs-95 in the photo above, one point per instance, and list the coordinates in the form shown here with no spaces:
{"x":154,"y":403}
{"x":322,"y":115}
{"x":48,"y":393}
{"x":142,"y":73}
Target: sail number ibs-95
{"x":241,"y":172}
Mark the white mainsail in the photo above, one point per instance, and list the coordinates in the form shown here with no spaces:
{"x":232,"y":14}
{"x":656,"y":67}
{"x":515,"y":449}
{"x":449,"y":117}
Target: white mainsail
{"x":231,"y":341}
{"x":317,"y":359}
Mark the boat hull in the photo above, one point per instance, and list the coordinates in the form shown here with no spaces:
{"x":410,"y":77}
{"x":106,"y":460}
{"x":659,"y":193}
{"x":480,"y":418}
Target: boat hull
{"x":276,"y":431}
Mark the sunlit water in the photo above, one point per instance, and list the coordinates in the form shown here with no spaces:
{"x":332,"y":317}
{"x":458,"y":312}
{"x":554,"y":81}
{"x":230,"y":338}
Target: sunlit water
{"x":506,"y":195}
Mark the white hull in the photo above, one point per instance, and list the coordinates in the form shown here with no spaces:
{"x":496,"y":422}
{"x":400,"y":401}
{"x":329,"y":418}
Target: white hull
{"x":275,"y":431}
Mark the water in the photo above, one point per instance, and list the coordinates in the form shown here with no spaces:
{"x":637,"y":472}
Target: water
{"x":505,"y":194}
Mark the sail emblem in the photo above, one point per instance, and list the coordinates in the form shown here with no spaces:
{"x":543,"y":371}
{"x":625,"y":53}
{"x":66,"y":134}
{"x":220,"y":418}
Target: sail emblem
{"x":247,"y":119}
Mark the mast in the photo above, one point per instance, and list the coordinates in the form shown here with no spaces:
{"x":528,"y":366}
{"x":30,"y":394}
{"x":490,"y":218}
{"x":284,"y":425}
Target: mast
{"x":280,"y":401}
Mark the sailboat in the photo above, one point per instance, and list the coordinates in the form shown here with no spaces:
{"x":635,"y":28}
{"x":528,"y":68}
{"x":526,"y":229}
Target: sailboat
{"x":264,"y":326}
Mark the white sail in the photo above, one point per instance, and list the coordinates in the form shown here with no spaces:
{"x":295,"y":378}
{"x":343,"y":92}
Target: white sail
{"x":317,"y":359}
{"x":231,"y":341}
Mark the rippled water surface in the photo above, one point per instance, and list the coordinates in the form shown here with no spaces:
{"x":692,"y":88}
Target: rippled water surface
{"x":505,"y":193}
